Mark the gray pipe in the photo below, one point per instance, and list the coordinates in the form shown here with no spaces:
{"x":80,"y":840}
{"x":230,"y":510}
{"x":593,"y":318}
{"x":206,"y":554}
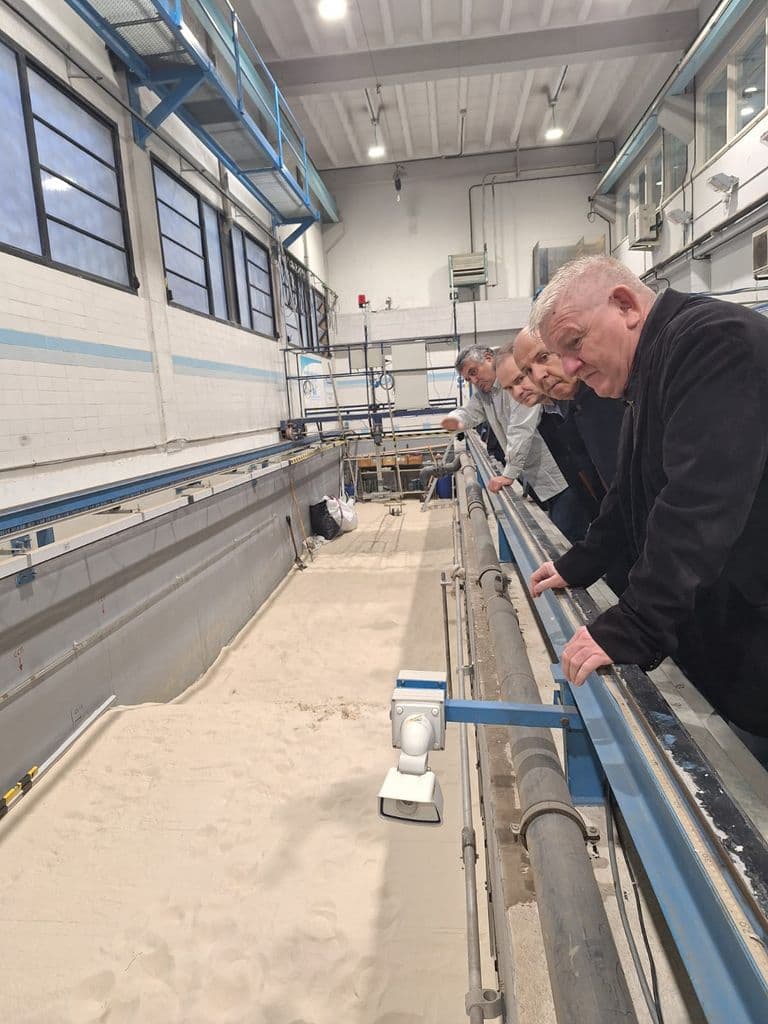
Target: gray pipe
{"x":446,"y":467}
{"x":586,"y":975}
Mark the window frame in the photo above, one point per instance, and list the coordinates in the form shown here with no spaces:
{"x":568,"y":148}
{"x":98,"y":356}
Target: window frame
{"x":728,"y":63}
{"x":301,"y":284}
{"x":25,"y":61}
{"x":236,"y":293}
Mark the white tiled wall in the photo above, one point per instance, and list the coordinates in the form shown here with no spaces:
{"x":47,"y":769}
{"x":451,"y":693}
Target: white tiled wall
{"x":81,"y":416}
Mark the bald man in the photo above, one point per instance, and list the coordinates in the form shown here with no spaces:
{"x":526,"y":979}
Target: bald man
{"x":690,"y":499}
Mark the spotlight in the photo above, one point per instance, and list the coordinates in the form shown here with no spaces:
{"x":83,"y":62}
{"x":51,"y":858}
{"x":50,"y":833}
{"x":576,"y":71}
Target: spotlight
{"x":723,"y":182}
{"x":679,"y":216}
{"x":332,"y":10}
{"x":411,"y":798}
{"x":397,"y":178}
{"x":553,"y":133}
{"x":376,"y":150}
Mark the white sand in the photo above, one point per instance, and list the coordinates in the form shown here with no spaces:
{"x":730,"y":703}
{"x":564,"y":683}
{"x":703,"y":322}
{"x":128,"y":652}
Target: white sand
{"x":220,"y":859}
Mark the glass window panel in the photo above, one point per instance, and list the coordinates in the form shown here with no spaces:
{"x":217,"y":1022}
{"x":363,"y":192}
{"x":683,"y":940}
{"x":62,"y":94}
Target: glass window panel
{"x":187,"y":294}
{"x":179,"y":229}
{"x":716,"y":115}
{"x":68,"y":161}
{"x":18,"y":212}
{"x":175,"y":195}
{"x":638,"y":188}
{"x":215,"y":265}
{"x":655,"y":168}
{"x":750,"y":82}
{"x":261,"y":302}
{"x":183,"y":262}
{"x":64,"y":201}
{"x":675,"y":163}
{"x":257,"y":255}
{"x":241,"y":278}
{"x":76,"y":250}
{"x":259,"y":279}
{"x":70,"y":118}
{"x":263,"y":324}
{"x":622,"y":214}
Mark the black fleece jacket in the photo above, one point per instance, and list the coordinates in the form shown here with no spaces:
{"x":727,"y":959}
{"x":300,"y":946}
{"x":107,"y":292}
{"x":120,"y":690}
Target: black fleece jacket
{"x":689,"y":504}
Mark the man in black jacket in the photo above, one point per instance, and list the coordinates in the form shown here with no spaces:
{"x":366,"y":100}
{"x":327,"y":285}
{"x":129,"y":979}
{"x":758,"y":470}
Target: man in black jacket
{"x":690,"y":499}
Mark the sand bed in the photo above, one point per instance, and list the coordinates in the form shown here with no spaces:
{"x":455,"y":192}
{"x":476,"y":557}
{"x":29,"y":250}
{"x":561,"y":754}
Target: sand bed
{"x":219,"y":859}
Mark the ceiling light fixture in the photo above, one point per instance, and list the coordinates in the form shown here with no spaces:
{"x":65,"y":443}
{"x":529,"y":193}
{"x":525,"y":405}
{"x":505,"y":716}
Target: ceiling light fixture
{"x":749,"y":90}
{"x":332,"y":10}
{"x":747,"y":111}
{"x":375,"y":151}
{"x":553,"y":133}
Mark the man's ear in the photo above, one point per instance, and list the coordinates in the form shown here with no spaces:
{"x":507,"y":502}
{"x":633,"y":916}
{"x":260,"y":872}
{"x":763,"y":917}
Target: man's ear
{"x":628,"y":304}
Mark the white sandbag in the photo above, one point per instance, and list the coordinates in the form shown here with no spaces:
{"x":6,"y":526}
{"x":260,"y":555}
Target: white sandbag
{"x":334,"y":508}
{"x":348,"y":514}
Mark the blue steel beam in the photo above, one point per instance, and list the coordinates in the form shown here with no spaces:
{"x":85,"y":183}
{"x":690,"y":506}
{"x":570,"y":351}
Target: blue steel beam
{"x":296,"y":234}
{"x":186,"y":83}
{"x":720,"y":952}
{"x":497,"y":712}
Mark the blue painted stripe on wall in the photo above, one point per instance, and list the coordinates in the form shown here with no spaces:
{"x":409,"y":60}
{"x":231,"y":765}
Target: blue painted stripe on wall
{"x":208,"y":368}
{"x":46,"y":348}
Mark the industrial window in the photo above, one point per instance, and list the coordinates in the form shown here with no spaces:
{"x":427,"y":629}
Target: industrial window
{"x":675,"y":163}
{"x":735,"y":93}
{"x":253,"y":283}
{"x":750,"y":82}
{"x":622,"y":214}
{"x":62,"y":192}
{"x":716,"y":114}
{"x":306,"y":308}
{"x":191,"y":242}
{"x":656,"y":180}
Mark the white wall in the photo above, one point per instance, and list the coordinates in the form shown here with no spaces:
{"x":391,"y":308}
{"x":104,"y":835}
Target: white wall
{"x":406,"y":245}
{"x":97,"y":383}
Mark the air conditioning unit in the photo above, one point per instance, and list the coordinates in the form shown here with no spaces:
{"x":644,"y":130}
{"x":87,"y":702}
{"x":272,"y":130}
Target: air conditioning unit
{"x":468,"y":269}
{"x":643,"y":227}
{"x":760,"y":254}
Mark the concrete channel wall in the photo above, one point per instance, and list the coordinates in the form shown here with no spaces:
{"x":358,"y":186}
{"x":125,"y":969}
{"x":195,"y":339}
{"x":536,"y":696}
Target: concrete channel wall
{"x":144,"y":612}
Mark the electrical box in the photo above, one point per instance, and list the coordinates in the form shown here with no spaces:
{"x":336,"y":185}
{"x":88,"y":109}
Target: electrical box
{"x":760,"y":254}
{"x":643,"y":227}
{"x":467,"y":269}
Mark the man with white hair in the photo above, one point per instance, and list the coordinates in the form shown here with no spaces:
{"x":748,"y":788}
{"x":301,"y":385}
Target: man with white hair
{"x":690,"y":500}
{"x":526,"y":454}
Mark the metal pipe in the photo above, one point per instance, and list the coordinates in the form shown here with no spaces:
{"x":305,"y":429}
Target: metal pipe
{"x":444,"y":584}
{"x":468,"y":840}
{"x":585,"y":972}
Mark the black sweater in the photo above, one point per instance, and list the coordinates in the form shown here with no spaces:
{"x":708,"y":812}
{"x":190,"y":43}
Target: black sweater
{"x":690,"y":500}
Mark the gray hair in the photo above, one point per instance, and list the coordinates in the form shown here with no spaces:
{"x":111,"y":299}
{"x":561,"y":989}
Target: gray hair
{"x":598,"y":269}
{"x":474,"y":354}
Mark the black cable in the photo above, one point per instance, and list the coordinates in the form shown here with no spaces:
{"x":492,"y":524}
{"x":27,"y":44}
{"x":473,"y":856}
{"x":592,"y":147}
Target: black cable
{"x":650,"y":994}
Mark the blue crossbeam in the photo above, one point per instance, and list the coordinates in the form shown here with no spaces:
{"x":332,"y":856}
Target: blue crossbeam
{"x":496,"y":712}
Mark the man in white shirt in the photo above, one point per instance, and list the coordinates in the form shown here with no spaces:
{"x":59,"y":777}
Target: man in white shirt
{"x":526,"y":454}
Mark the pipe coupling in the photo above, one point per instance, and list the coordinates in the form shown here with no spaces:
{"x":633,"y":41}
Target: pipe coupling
{"x":542,"y":807}
{"x":489,"y":1000}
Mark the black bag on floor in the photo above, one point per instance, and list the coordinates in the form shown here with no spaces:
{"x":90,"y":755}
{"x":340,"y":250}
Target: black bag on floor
{"x":322,"y":521}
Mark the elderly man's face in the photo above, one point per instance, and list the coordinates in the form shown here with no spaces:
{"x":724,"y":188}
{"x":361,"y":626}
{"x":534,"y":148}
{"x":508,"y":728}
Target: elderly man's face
{"x":517,"y":383}
{"x":596,"y":336}
{"x":480,"y":374}
{"x":545,"y":368}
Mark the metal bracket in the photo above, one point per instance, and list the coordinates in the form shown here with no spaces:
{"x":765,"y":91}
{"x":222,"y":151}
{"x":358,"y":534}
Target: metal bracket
{"x":25,"y":576}
{"x":489,"y":1000}
{"x":536,"y":810}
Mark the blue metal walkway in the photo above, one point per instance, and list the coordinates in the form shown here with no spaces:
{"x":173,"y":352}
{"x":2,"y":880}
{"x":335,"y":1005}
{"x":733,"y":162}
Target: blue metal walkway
{"x":196,"y":56}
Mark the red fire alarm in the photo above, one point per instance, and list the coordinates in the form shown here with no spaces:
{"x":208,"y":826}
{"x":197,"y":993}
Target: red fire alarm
{"x":361,"y":302}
